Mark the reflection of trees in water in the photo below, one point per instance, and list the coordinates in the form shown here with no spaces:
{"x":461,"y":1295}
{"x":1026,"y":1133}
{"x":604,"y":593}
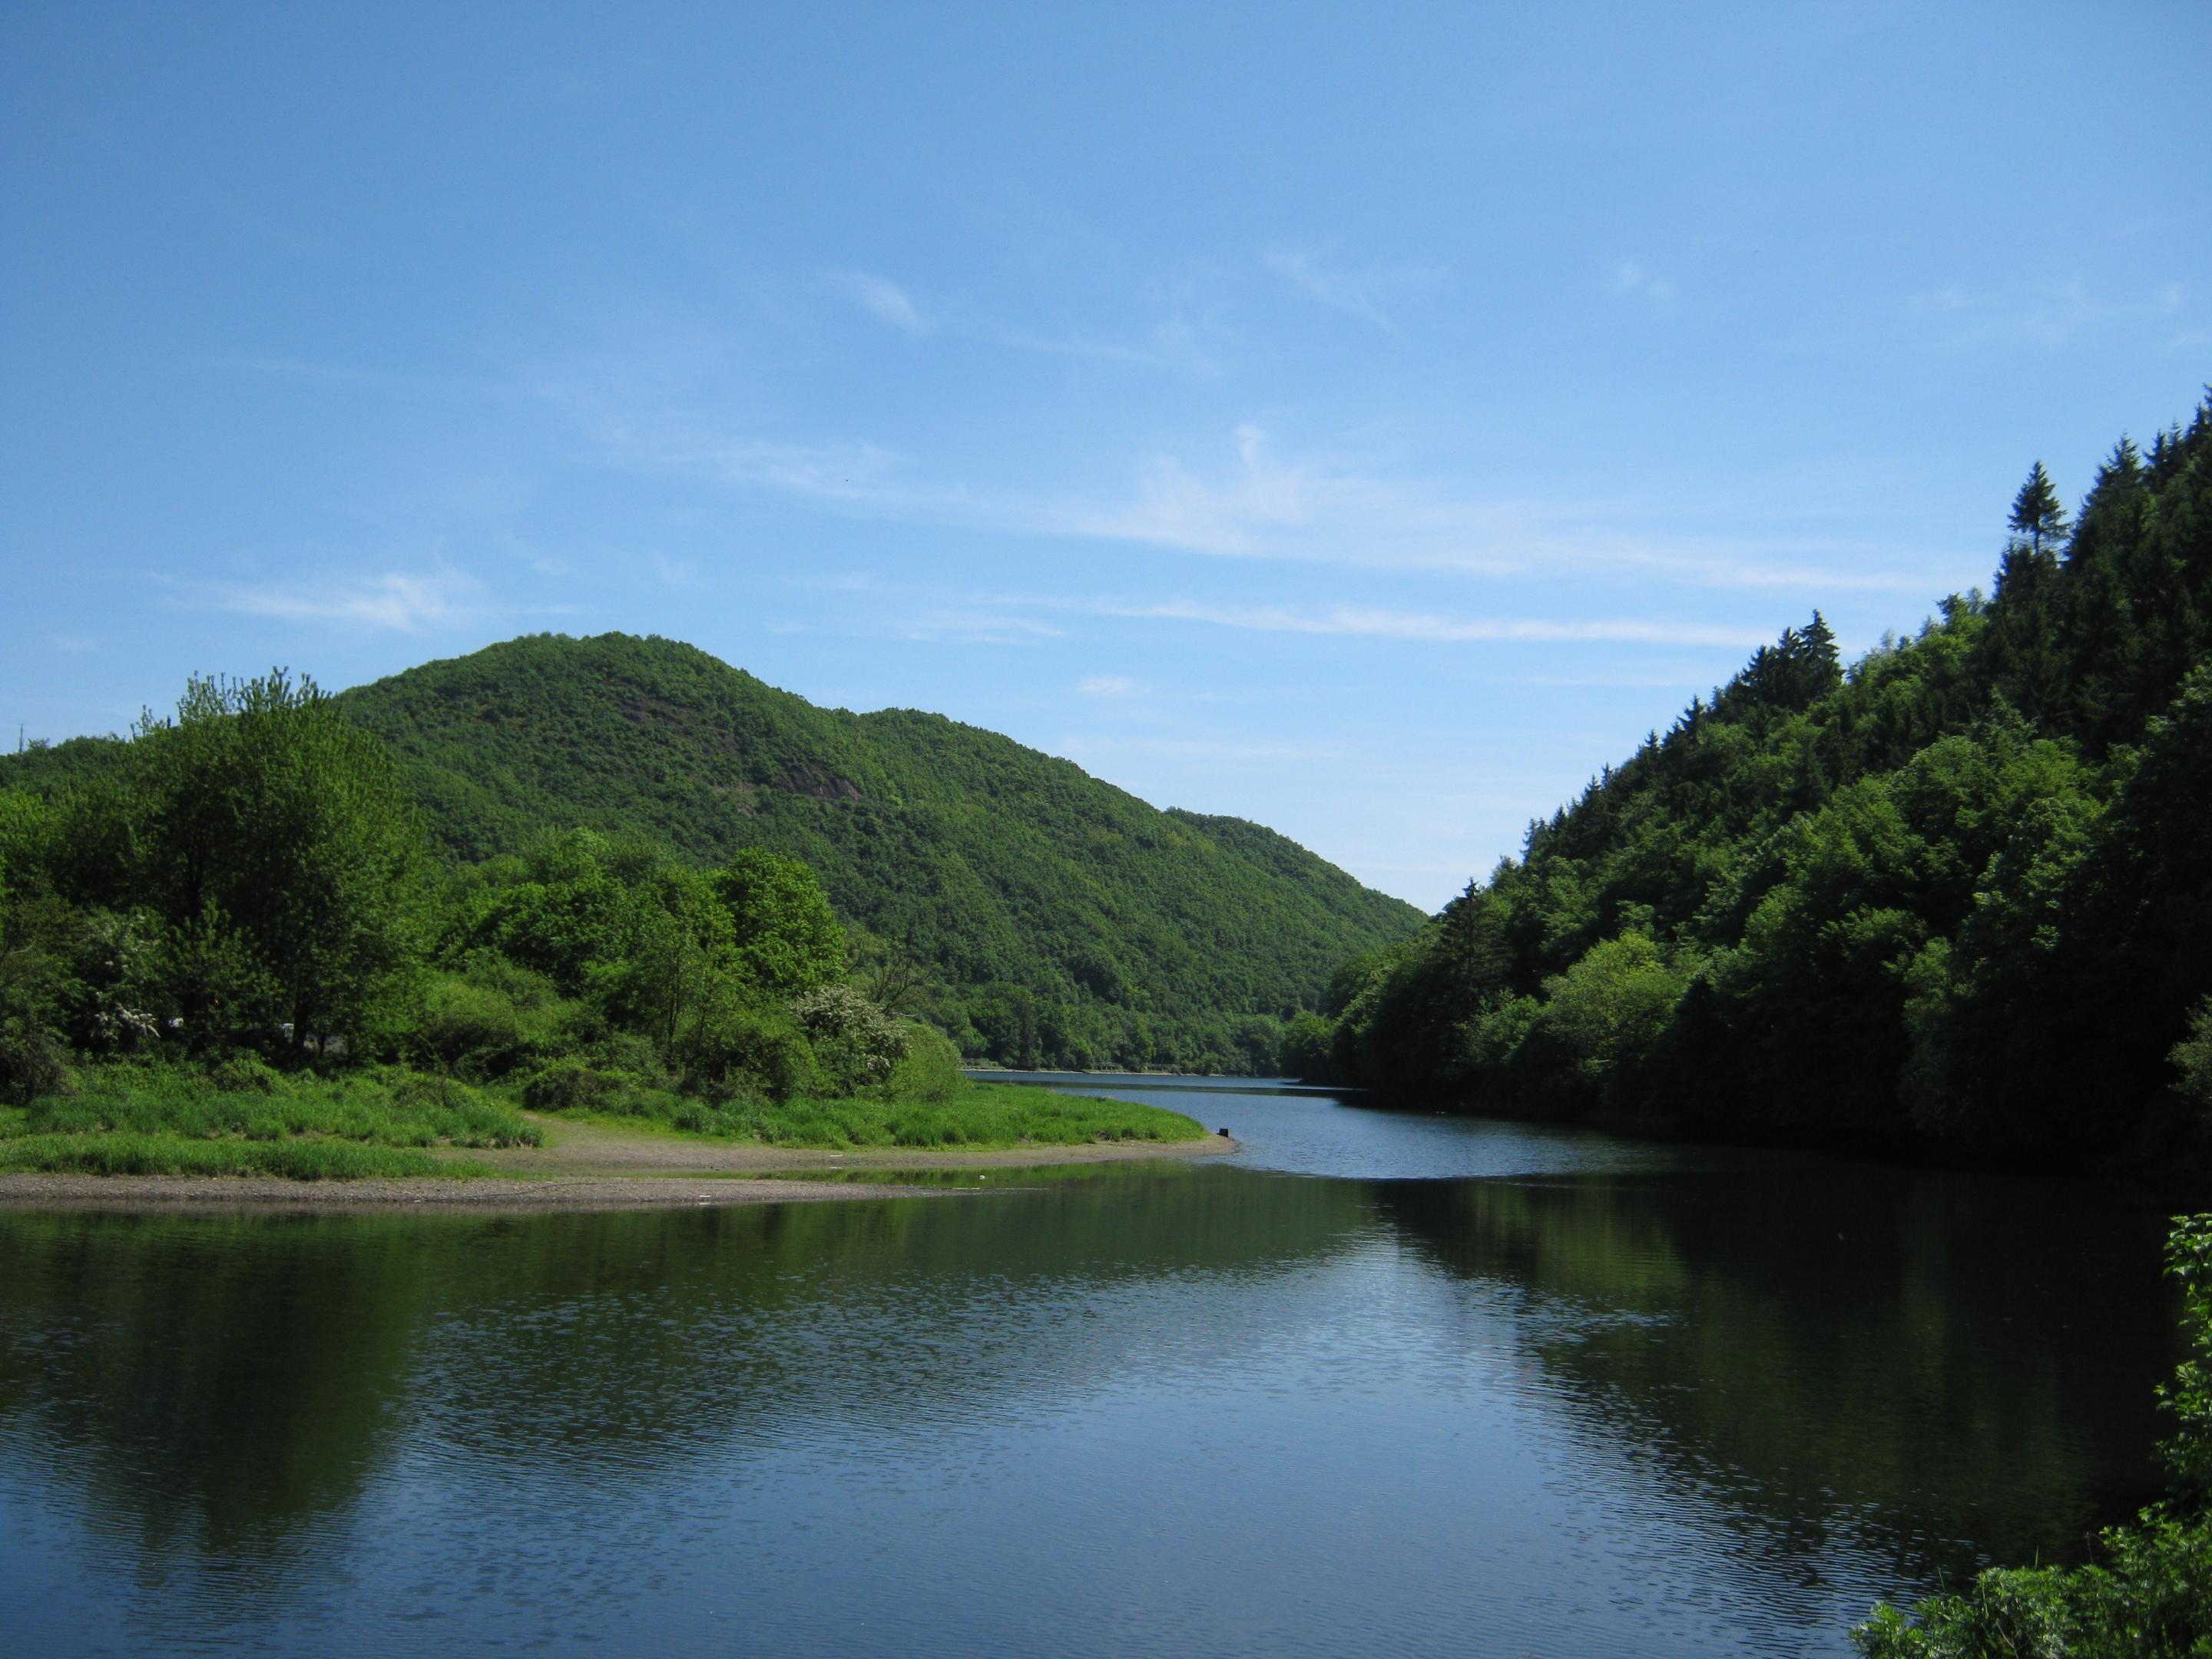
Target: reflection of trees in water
{"x":217,"y":1384}
{"x":227,"y":1387}
{"x":1911,"y":1358}
{"x":216,"y":1391}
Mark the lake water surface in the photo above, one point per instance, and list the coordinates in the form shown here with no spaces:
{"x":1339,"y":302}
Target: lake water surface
{"x":1376,"y":1384}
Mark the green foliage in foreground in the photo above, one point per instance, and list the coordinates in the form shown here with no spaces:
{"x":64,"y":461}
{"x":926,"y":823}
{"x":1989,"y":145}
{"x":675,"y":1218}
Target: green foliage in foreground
{"x":2148,"y":1594}
{"x":1958,"y":895}
{"x":243,"y":1118}
{"x":173,"y":1155}
{"x":979,"y":1116}
{"x":244,"y":1099}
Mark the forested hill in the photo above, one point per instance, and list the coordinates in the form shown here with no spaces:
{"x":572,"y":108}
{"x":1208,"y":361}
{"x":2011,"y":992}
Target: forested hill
{"x":1959,"y":895}
{"x":1053,"y":911}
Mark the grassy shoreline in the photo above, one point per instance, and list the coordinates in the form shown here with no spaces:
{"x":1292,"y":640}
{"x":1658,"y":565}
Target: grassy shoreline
{"x":243,"y":1118}
{"x":979,"y":1116}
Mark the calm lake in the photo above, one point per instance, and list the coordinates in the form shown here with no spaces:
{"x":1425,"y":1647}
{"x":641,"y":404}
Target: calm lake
{"x":1378,"y":1384}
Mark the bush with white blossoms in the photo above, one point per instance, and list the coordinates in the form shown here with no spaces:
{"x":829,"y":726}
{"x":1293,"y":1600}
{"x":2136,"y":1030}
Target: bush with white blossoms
{"x":856,"y":1042}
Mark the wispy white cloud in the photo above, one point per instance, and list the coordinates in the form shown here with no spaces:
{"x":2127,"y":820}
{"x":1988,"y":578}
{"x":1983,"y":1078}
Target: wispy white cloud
{"x":1365,"y":292}
{"x":882,"y":299}
{"x":1107,"y":685}
{"x":2053,"y":314}
{"x":1817,"y":564}
{"x":969,"y":625}
{"x":405,"y":603}
{"x":1206,"y":749}
{"x":1249,"y":502}
{"x":1363,"y":622}
{"x":860,"y":475}
{"x":1008,"y":617}
{"x":1631,"y":276}
{"x":676,"y":573}
{"x":1175,"y":507}
{"x":1171,"y":346}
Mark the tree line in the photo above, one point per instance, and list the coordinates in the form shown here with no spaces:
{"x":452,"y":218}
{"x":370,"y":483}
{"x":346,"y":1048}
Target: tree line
{"x":1956,"y":896}
{"x":254,"y":878}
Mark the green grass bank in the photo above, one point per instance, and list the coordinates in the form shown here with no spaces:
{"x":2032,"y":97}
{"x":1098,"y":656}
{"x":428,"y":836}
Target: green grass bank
{"x":242,"y":1117}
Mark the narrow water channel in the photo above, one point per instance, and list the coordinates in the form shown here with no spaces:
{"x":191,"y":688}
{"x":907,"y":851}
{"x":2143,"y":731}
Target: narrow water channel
{"x":1375,"y":1383}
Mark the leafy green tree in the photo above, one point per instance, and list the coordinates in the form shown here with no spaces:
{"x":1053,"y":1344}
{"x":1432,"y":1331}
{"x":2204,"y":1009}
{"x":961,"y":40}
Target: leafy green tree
{"x":1609,"y":1010}
{"x":1306,"y":1044}
{"x":569,"y":917}
{"x":266,"y":815}
{"x":787,"y":940}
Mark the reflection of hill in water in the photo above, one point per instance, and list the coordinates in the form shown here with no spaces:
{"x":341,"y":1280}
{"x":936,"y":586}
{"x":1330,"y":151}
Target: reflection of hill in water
{"x":1911,"y":1358}
{"x":230,"y":1384}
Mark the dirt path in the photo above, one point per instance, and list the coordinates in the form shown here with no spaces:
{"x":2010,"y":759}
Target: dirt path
{"x":583,"y":1166}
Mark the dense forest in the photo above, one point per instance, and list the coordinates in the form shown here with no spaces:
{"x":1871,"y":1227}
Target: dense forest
{"x":1956,"y":896}
{"x":252,"y":882}
{"x":1034,"y":914}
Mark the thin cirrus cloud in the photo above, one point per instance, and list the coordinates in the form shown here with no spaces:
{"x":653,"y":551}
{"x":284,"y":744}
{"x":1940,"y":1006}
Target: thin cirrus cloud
{"x":676,"y":573}
{"x":1251,"y":504}
{"x":1206,"y":749}
{"x":1009,"y":618}
{"x":1107,"y":685}
{"x":1366,"y":292}
{"x":882,"y":299}
{"x":1631,"y":276}
{"x":1364,"y":621}
{"x":1172,"y":341}
{"x":406,"y":604}
{"x":404,"y":601}
{"x":970,"y":625}
{"x":2053,"y":315}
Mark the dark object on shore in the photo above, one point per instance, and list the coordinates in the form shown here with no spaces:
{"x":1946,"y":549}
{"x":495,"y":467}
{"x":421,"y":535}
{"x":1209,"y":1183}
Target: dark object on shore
{"x":1223,"y":1133}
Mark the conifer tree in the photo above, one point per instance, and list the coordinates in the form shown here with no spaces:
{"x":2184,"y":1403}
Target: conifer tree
{"x":2037,"y":516}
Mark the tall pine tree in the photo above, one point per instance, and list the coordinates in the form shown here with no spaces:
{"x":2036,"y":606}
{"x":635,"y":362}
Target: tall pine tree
{"x":2037,"y":517}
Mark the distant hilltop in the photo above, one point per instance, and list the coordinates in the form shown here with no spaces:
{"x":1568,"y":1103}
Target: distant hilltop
{"x":1061,"y":919}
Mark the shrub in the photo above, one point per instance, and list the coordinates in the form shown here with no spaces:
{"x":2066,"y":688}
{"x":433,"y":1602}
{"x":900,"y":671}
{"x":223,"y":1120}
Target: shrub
{"x":244,"y":1072}
{"x":857,"y":1042}
{"x":465,"y":1024}
{"x":570,"y":1085}
{"x":928,"y":1070}
{"x":753,"y":1053}
{"x":627,"y":1052}
{"x":492,"y":1017}
{"x":31,"y":1063}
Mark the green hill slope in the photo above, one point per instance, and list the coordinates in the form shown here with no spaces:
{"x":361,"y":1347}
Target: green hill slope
{"x":1044,"y":900}
{"x":1956,"y":896}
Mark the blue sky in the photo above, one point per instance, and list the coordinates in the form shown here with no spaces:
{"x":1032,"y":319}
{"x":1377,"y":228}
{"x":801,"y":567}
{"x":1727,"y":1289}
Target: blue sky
{"x":1368,"y":420}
